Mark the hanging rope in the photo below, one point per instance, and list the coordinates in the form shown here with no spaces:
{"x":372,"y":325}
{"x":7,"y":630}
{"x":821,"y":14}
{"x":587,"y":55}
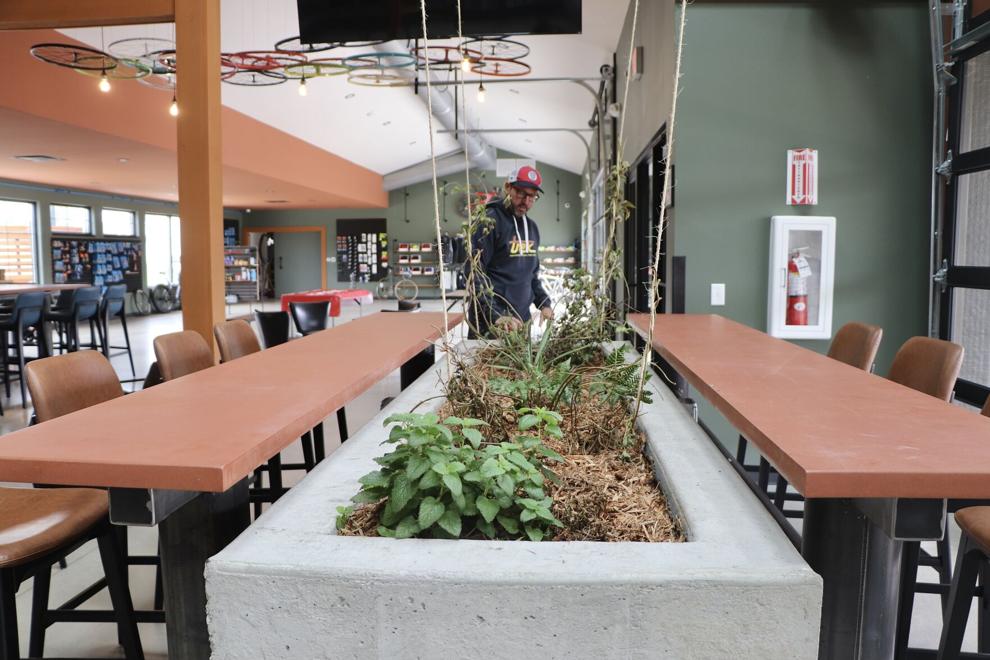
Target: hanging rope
{"x":625,"y":92}
{"x":469,"y":234}
{"x":436,"y":198}
{"x":655,"y":274}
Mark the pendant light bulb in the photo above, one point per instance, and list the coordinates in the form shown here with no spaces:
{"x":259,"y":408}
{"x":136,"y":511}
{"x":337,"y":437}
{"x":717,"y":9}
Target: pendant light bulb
{"x":174,"y":108}
{"x":302,"y":87}
{"x":104,"y":83}
{"x":481,"y":92}
{"x":465,"y":63}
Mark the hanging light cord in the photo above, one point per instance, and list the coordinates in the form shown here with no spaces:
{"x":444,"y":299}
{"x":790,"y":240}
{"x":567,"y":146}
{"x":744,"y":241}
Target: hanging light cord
{"x":436,"y":199}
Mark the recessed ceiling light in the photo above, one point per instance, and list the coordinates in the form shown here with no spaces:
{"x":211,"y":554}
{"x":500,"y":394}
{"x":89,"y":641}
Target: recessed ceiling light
{"x":38,"y":158}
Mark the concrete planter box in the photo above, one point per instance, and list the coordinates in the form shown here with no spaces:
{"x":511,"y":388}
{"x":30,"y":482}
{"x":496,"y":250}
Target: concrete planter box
{"x":291,"y":587}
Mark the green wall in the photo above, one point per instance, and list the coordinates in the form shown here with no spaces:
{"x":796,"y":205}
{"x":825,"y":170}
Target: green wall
{"x":851,"y":79}
{"x":419,"y":211}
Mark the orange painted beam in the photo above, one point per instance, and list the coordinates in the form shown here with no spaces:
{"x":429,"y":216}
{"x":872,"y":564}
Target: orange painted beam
{"x":37,"y":14}
{"x":197,"y":41}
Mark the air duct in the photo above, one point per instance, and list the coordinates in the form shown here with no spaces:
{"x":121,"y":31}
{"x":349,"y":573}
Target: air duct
{"x":481,"y":155}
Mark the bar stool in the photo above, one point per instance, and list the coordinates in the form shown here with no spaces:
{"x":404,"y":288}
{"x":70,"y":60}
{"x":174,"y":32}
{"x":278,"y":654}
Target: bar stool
{"x":310,"y":317}
{"x":929,"y":366}
{"x":113,"y":306}
{"x":274,"y":327}
{"x":62,"y":306}
{"x":971,"y":563}
{"x":182,"y":353}
{"x":236,"y":339}
{"x":27,"y":312}
{"x":37,"y":528}
{"x":66,"y":383}
{"x":85,"y":307}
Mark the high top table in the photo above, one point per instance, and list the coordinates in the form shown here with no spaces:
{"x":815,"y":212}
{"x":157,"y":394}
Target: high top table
{"x":10,"y":289}
{"x":178,"y":454}
{"x":875,"y":460}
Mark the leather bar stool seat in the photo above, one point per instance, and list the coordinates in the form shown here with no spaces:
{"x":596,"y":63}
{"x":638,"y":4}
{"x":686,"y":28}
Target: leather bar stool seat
{"x":856,"y":344}
{"x":182,"y":353}
{"x":37,"y":528}
{"x":34,"y":522}
{"x":235,"y":339}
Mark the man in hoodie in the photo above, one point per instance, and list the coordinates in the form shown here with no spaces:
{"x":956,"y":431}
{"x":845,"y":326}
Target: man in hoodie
{"x":508,"y":280}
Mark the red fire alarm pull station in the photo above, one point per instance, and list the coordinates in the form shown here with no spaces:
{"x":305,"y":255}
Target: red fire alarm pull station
{"x":802,"y":177}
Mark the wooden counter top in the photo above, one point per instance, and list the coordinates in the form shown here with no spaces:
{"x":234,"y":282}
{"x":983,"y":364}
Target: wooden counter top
{"x":208,"y":430}
{"x":832,"y":430}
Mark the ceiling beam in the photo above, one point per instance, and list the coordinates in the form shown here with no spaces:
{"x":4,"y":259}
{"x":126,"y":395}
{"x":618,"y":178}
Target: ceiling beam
{"x":38,"y":14}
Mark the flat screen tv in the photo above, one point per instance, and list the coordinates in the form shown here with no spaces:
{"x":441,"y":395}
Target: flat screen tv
{"x":339,"y":21}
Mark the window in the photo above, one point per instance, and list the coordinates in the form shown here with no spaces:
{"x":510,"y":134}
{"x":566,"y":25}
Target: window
{"x":119,"y":223}
{"x":163,"y":250}
{"x":71,"y":219}
{"x":17,"y":241}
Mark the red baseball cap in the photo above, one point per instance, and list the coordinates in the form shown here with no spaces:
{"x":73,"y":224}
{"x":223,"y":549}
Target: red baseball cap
{"x":526,"y":177}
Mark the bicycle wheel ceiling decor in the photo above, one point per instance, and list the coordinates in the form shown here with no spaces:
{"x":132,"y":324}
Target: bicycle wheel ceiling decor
{"x":153,"y":61}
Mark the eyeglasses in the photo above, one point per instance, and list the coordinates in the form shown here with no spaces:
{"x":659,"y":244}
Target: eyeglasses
{"x":519,"y":192}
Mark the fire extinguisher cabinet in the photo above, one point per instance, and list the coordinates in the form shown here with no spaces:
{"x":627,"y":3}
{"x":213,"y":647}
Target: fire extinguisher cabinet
{"x":802,"y":270}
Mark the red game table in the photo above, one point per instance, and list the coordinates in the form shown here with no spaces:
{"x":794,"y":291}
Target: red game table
{"x":334,"y":296}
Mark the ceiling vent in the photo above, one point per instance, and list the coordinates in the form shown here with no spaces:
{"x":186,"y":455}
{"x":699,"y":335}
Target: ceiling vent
{"x":38,"y":158}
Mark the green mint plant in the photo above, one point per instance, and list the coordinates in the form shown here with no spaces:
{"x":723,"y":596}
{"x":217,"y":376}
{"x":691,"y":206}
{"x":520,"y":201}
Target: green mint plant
{"x":443,"y":480}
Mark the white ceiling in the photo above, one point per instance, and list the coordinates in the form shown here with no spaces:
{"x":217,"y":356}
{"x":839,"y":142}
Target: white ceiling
{"x":386,"y":129}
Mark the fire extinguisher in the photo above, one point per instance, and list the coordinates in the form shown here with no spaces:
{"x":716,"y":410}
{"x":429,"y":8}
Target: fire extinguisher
{"x":797,"y":290}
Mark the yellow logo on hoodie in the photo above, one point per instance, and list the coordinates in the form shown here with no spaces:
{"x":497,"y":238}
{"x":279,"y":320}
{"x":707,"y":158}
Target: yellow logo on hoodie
{"x":519,"y":248}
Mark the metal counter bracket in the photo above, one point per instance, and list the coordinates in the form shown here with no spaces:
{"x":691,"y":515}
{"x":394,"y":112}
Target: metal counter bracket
{"x":145,"y":507}
{"x":906,"y":519}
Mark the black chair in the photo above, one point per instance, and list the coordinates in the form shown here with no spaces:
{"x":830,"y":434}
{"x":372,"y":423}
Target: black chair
{"x":310,"y":317}
{"x":61,"y":309}
{"x":274,"y":327}
{"x":113,"y":306}
{"x":27,"y":312}
{"x":85,"y":307}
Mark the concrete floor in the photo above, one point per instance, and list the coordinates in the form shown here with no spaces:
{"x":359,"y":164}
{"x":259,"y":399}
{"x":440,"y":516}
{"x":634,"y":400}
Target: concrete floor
{"x":99,"y":640}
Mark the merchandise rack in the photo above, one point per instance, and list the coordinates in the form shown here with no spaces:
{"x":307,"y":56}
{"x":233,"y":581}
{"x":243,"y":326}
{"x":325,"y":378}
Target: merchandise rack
{"x":240,"y":272}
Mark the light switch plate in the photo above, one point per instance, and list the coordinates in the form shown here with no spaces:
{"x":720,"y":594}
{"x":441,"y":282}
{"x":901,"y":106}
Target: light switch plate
{"x":718,"y":294}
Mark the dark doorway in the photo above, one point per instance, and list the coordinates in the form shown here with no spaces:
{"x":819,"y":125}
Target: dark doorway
{"x":645,"y":189}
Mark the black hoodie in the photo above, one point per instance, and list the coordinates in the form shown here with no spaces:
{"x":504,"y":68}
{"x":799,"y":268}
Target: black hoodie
{"x":511,"y":266}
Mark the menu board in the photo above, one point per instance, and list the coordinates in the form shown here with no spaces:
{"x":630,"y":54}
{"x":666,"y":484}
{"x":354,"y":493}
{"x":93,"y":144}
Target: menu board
{"x":96,"y":261}
{"x":362,"y":250}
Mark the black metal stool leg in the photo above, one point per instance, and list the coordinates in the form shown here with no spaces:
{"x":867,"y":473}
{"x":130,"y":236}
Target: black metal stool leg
{"x":780,"y":494}
{"x":741,"y":451}
{"x":9,"y":648}
{"x":905,"y":608}
{"x":127,"y":341}
{"x":123,"y":607}
{"x":20,"y":366}
{"x":342,"y":424}
{"x":275,"y":477}
{"x":319,"y":447}
{"x":307,"y":447}
{"x":960,"y":599}
{"x":944,"y":569}
{"x":39,"y":608}
{"x":159,"y":602}
{"x":763,"y":480}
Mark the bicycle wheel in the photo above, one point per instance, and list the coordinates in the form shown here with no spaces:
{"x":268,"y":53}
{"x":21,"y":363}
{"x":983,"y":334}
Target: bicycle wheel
{"x":142,"y":302}
{"x":406,"y":290}
{"x":161,"y":299}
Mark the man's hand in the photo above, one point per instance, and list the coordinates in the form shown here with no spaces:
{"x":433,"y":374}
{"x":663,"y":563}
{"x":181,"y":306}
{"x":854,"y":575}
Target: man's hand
{"x":508,"y":323}
{"x":546,"y":315}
